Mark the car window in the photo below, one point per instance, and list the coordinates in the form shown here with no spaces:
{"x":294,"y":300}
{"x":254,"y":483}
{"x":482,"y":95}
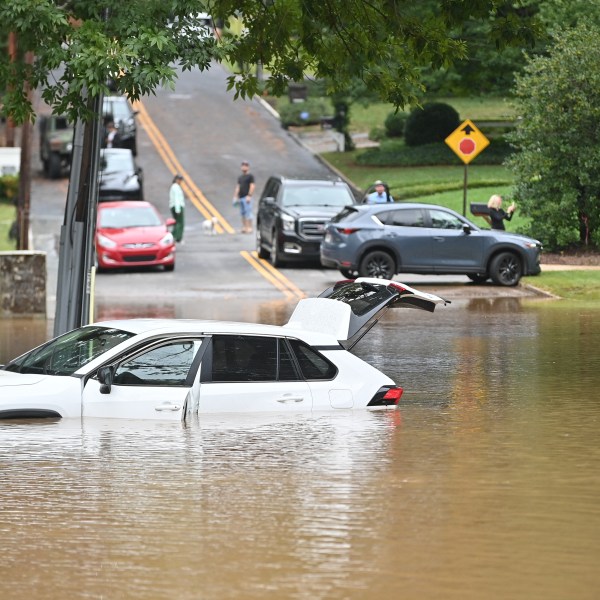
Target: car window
{"x":406,"y":217}
{"x":244,"y":358}
{"x":118,"y":109}
{"x":68,"y":353}
{"x":317,"y":195}
{"x":347,"y":214}
{"x":166,"y":365}
{"x":313,"y":364}
{"x":440,"y":219}
{"x":135,"y":216}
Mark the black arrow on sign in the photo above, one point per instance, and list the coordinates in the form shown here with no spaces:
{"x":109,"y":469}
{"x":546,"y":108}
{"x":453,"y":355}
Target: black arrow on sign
{"x":468,"y":129}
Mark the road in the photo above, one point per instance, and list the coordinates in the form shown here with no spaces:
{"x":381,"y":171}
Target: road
{"x":198,"y":130}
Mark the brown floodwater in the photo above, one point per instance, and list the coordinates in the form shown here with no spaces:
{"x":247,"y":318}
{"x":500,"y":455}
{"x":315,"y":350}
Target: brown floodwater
{"x":484,"y":485}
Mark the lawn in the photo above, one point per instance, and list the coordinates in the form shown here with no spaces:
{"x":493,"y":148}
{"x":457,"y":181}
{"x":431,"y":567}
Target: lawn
{"x":580,"y":285}
{"x":7,"y":216}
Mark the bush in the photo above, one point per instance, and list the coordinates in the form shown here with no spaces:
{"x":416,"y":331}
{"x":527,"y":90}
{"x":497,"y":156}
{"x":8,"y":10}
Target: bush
{"x":393,"y":153}
{"x":377,"y":134}
{"x":313,"y":108}
{"x":394,"y":124}
{"x":434,"y":122}
{"x":9,"y":188}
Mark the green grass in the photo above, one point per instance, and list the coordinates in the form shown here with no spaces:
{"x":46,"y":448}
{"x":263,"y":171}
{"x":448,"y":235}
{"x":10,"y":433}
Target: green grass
{"x":580,"y":285}
{"x":7,"y":216}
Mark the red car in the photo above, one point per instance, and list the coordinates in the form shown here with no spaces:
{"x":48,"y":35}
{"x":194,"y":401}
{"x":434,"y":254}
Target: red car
{"x":133,"y":234}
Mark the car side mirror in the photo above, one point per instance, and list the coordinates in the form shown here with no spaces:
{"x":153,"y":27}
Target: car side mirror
{"x":105,"y":377}
{"x":269,"y":201}
{"x":466,"y":228}
{"x":170,"y":223}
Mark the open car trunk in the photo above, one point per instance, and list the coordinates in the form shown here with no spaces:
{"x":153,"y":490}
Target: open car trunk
{"x":349,"y":309}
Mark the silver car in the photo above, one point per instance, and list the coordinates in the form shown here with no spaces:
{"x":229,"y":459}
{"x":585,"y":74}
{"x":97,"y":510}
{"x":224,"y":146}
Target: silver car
{"x":384,"y":239}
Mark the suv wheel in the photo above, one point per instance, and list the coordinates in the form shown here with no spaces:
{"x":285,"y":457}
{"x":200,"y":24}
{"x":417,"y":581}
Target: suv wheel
{"x":54,"y":165}
{"x":349,"y":273}
{"x":262,"y":253}
{"x":478,"y":277}
{"x":275,"y":258}
{"x":506,"y":269}
{"x":378,"y":264}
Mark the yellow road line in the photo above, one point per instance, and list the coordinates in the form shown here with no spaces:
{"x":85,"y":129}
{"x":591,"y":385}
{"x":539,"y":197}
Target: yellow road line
{"x":280,"y":276}
{"x":206,"y":208}
{"x":260,"y":268}
{"x":270,"y":273}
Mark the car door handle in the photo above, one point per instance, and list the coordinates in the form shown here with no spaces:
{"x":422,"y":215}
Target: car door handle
{"x":438,"y":238}
{"x":167,"y":407}
{"x":290,"y":399}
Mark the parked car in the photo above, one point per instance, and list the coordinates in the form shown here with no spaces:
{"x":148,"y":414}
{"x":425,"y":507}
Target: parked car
{"x":194,"y":26}
{"x":120,"y":176}
{"x":175,"y":369}
{"x":118,"y":110}
{"x":384,"y":239}
{"x":292,"y":215}
{"x":133,"y":234}
{"x":56,"y":144}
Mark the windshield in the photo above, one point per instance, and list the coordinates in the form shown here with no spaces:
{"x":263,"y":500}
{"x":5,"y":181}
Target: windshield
{"x":68,"y":353}
{"x":118,"y":162}
{"x":118,"y":218}
{"x":317,"y":195}
{"x":119,"y":109}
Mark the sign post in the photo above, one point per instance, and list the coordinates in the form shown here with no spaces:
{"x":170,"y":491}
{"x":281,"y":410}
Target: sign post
{"x":466,"y":141}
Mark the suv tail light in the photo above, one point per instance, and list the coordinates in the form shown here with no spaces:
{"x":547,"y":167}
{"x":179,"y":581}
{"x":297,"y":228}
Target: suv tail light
{"x":388,"y":395}
{"x":348,"y":230}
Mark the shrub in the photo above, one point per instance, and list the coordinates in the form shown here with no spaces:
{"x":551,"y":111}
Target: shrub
{"x":393,"y":153}
{"x":312,"y":110}
{"x":377,"y":134}
{"x":394,"y":124}
{"x":434,"y":122}
{"x":9,"y":188}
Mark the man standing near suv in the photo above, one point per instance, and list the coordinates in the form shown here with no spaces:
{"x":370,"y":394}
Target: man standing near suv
{"x":244,"y":191}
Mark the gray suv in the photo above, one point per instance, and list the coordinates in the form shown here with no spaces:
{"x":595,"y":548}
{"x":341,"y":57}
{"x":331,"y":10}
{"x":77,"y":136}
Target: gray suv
{"x":382,"y":240}
{"x":292,"y":215}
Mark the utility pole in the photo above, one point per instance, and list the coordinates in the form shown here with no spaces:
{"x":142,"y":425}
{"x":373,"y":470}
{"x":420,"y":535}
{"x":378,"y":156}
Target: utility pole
{"x":76,"y":251}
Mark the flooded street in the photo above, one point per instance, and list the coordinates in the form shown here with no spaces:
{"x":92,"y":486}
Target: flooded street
{"x":485,"y":485}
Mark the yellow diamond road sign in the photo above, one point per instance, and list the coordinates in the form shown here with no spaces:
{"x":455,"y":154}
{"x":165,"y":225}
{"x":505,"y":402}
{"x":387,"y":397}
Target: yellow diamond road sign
{"x":467,"y":141}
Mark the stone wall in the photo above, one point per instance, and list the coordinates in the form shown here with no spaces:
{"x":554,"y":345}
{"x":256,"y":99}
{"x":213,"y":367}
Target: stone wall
{"x":22,"y":283}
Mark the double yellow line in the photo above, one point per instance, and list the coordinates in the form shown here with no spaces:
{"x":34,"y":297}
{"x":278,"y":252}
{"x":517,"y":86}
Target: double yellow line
{"x":192,"y":191}
{"x":208,"y":210}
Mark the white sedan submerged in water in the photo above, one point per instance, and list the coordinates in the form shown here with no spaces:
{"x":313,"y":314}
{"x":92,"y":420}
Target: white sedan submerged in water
{"x":174,"y":368}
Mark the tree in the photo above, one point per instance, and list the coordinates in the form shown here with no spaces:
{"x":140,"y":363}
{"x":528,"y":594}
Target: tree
{"x":557,"y":168}
{"x":81,"y":43}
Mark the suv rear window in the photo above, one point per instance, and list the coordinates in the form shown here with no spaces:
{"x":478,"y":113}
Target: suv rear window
{"x":347,"y":214}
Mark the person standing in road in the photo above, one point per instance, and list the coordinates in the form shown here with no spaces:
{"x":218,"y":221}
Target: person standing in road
{"x":177,"y":207}
{"x":497,"y":214}
{"x":113,"y":138}
{"x":244,"y":190}
{"x":381,"y":194}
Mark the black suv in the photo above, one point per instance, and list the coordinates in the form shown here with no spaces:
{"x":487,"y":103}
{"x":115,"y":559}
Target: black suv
{"x":292,"y":216}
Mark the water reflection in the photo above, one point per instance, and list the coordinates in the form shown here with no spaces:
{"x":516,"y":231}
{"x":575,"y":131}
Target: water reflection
{"x":484,"y":485}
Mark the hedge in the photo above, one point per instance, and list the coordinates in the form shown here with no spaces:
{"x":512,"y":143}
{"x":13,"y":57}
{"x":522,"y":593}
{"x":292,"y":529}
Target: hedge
{"x":397,"y":154}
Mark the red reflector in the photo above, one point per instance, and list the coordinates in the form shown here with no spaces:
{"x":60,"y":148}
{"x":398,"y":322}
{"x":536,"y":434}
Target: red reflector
{"x":398,"y":287}
{"x":394,"y":394}
{"x":347,"y":230}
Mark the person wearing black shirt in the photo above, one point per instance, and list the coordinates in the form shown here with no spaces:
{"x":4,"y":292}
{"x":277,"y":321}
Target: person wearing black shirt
{"x":244,"y":191}
{"x":497,"y":215}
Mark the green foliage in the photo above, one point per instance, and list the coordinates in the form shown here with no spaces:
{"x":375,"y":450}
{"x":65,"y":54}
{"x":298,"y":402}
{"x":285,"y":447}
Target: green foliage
{"x":557,"y":171}
{"x":9,"y":188}
{"x":292,"y":114}
{"x":79,"y":45}
{"x":396,"y":153}
{"x":394,"y":124}
{"x":433,"y":122}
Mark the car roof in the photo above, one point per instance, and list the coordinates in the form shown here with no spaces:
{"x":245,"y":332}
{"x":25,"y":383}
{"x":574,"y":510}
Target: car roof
{"x":301,"y":182}
{"x":116,"y":151}
{"x":124,"y":204}
{"x":198,"y":326}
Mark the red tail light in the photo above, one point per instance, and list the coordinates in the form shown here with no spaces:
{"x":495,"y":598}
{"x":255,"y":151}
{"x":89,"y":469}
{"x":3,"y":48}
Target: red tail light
{"x":348,"y":230}
{"x":387,"y":396}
